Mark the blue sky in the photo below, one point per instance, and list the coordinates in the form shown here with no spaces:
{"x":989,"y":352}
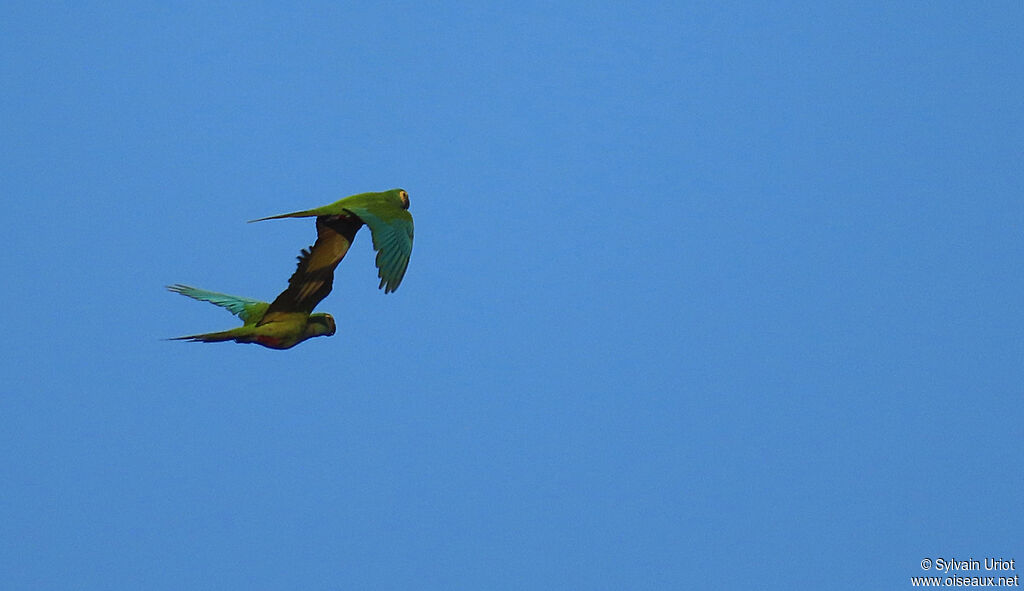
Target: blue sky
{"x":704,"y":295}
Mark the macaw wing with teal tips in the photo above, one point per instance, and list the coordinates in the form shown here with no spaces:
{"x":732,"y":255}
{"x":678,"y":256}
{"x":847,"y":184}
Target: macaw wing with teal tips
{"x":248,"y":309}
{"x":392,"y":231}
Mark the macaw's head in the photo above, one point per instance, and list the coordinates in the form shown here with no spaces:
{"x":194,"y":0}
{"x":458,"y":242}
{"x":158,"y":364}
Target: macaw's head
{"x":404,"y":197}
{"x":320,"y":325}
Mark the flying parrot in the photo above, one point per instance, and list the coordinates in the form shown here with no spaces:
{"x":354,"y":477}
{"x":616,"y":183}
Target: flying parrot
{"x":387,"y":215}
{"x":289,"y":319}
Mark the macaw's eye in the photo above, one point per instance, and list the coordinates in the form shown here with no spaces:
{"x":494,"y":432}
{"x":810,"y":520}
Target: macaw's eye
{"x":405,"y":199}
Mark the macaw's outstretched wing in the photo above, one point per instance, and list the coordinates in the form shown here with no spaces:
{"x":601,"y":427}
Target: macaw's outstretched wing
{"x":248,"y":309}
{"x":392,"y":239}
{"x":314,"y":277}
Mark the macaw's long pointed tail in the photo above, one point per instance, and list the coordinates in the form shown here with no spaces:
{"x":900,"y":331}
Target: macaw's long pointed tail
{"x":210,"y":337}
{"x":295,"y":214}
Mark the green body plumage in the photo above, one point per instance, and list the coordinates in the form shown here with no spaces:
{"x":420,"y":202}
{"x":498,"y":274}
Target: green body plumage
{"x":387,"y":215}
{"x":281,"y":333}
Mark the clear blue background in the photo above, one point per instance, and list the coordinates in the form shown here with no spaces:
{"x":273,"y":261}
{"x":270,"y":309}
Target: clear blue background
{"x":704,"y":295}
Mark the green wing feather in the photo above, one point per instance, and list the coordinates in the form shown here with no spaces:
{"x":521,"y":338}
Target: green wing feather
{"x":249,"y":310}
{"x":392,"y":232}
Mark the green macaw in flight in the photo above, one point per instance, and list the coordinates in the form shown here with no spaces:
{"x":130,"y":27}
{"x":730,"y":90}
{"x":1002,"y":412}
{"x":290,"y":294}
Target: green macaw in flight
{"x":387,"y":215}
{"x":289,"y":319}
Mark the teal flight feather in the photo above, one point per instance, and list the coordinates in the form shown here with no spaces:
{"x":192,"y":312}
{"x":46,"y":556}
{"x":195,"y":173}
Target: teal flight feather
{"x":247,"y":309}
